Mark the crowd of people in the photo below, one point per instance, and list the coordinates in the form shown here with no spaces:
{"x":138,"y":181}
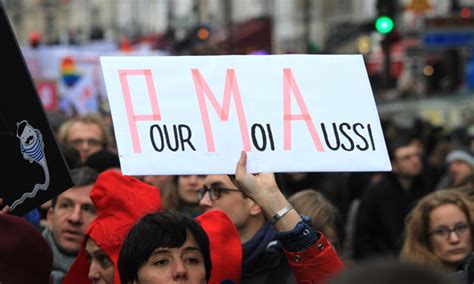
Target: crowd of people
{"x":250,"y":228}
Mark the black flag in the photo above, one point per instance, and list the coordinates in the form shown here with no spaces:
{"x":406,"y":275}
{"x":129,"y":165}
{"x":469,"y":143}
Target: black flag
{"x":34,"y":169}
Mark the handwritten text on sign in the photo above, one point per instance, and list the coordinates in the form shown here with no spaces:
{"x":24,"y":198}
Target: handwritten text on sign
{"x":193,"y":115}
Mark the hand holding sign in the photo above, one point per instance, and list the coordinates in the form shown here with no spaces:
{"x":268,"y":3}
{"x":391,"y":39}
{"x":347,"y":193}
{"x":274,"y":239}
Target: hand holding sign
{"x":263,"y":189}
{"x":257,"y":187}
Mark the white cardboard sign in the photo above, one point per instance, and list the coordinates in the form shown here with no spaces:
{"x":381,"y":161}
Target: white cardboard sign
{"x":290,"y":113}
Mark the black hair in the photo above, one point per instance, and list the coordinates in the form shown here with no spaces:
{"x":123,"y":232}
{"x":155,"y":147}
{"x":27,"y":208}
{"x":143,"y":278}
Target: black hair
{"x":160,"y":229}
{"x":81,"y":176}
{"x":71,"y":155}
{"x":103,"y":160}
{"x":403,"y":140}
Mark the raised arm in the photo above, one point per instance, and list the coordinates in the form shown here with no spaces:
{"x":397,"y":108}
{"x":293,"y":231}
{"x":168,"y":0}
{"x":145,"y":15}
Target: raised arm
{"x":262,"y":188}
{"x":312,"y":259}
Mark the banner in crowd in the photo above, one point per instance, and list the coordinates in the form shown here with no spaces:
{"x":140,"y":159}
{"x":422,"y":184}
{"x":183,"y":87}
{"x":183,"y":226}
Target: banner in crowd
{"x":291,"y":113}
{"x":76,"y":71}
{"x":34,"y":169}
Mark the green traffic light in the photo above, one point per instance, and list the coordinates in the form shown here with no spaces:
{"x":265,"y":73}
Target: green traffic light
{"x":384,"y":24}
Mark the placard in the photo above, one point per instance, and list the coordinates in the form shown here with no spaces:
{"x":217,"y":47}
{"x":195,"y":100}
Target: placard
{"x":291,"y":113}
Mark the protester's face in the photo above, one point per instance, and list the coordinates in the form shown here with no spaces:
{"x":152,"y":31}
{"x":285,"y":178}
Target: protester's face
{"x":168,"y":265}
{"x":188,"y":186}
{"x":459,"y":170}
{"x":450,"y":247}
{"x":101,"y":269}
{"x":232,"y":203}
{"x":85,"y":137}
{"x":407,"y":161}
{"x":70,"y":217}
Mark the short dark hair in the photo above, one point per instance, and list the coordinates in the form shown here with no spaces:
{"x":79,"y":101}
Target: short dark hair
{"x":71,"y":155}
{"x":160,"y":229}
{"x":103,"y":160}
{"x":403,"y":140}
{"x":81,"y":176}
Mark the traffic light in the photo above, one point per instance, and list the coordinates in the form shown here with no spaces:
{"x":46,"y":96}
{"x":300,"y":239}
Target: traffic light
{"x":384,"y":24}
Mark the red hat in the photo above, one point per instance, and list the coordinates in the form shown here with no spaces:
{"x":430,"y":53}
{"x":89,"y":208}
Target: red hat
{"x":225,"y":246}
{"x":120,"y":201}
{"x":25,"y":256}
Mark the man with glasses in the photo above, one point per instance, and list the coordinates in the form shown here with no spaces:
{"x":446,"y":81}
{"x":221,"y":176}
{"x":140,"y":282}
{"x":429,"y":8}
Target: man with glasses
{"x":263,"y":259}
{"x":85,"y":133}
{"x":221,"y":192}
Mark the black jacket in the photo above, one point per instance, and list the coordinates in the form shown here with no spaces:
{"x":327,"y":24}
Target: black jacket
{"x":381,"y":216}
{"x":271,"y":266}
{"x":264,"y":260}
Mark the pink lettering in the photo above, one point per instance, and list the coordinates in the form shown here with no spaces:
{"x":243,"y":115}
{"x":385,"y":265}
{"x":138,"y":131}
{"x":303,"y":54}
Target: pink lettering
{"x":231,"y":88}
{"x":289,"y":84}
{"x":132,"y":117}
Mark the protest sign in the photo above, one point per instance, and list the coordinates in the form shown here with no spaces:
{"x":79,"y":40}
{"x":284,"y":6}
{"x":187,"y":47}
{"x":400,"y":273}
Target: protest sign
{"x":34,"y":169}
{"x":291,"y":113}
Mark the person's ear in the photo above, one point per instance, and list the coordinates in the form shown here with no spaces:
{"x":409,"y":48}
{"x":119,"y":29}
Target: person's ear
{"x":254,"y":209}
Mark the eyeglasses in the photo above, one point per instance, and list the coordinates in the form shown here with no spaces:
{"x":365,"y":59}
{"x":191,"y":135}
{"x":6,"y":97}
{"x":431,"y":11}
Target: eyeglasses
{"x":443,"y":233}
{"x":90,"y":142}
{"x":214,"y":192}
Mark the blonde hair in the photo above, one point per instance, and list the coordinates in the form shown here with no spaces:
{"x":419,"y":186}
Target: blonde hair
{"x":63,"y":130}
{"x":416,"y":246}
{"x":324,"y":215}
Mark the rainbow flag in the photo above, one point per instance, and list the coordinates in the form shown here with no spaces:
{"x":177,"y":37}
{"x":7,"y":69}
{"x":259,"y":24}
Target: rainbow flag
{"x":69,"y":73}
